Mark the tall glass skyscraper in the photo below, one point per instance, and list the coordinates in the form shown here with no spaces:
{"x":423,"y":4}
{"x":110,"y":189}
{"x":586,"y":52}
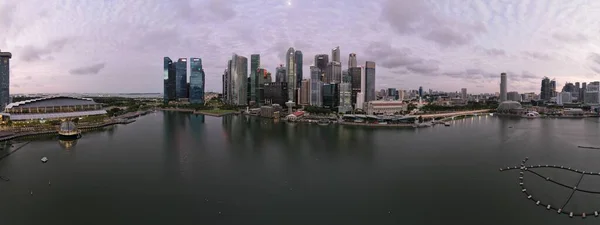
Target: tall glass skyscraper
{"x":321,"y":62}
{"x":254,"y":80}
{"x":197,"y":79}
{"x":238,"y":73}
{"x":335,"y":54}
{"x":345,"y":93}
{"x":291,"y":74}
{"x":370,"y":81}
{"x":299,"y":64}
{"x":4,"y":79}
{"x":181,"y":83}
{"x":281,"y":74}
{"x":316,"y":86}
{"x":352,"y":60}
{"x":169,"y":75}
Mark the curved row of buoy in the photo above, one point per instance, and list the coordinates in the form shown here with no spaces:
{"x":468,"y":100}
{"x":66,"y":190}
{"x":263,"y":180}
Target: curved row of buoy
{"x":559,"y":210}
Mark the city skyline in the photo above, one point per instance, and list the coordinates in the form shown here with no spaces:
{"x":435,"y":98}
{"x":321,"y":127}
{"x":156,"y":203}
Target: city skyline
{"x":112,"y":46}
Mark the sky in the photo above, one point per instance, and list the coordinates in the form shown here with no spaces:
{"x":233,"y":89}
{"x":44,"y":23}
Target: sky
{"x":118,"y":46}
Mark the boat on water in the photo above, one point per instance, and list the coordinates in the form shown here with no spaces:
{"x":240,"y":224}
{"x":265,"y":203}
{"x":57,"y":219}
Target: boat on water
{"x":446,"y":124}
{"x":323,"y":122}
{"x":531,"y":115}
{"x":68,"y":130}
{"x":44,"y":159}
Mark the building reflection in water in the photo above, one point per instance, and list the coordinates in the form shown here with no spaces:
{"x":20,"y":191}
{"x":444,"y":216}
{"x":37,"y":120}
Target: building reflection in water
{"x":67,"y":144}
{"x":245,"y":134}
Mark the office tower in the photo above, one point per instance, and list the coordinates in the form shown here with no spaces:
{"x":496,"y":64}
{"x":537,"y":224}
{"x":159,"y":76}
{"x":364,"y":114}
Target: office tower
{"x":225,"y":84}
{"x":263,"y":77}
{"x":502,"y":87}
{"x":239,"y":77}
{"x":276,"y":93}
{"x":563,"y":98}
{"x":299,"y":64}
{"x":392,"y":94}
{"x":553,"y":87}
{"x":370,"y":82}
{"x":333,"y":74}
{"x":335,"y":54}
{"x":181,"y":76}
{"x":316,"y":86}
{"x":546,"y":90}
{"x":463,"y":93}
{"x":355,"y":80}
{"x":254,"y":65}
{"x":592,"y":93}
{"x":345,"y":93}
{"x":305,"y":95}
{"x":197,"y":78}
{"x":281,"y":74}
{"x":420,"y":91}
{"x":331,"y":95}
{"x":169,"y":81}
{"x":248,"y":89}
{"x":4,"y":79}
{"x":582,"y":92}
{"x":321,"y":62}
{"x":291,"y":74}
{"x":352,"y":61}
{"x":513,"y":96}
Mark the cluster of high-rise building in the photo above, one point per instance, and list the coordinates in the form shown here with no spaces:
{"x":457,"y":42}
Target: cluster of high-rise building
{"x":176,"y":84}
{"x":327,"y":84}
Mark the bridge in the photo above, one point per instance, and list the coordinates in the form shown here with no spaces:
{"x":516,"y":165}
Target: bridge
{"x":445,"y":115}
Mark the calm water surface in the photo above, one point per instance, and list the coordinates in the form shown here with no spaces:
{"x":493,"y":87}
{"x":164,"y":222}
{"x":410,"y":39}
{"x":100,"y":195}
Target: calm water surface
{"x":176,"y":168}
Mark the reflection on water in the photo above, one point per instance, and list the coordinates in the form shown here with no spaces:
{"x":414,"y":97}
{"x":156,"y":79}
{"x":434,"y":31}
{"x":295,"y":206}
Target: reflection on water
{"x":67,"y":144}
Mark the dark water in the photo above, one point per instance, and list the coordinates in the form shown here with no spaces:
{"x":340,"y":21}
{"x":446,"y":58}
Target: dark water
{"x":177,"y":168}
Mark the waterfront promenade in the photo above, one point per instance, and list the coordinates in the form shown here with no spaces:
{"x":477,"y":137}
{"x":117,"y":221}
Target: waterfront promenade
{"x":461,"y":113}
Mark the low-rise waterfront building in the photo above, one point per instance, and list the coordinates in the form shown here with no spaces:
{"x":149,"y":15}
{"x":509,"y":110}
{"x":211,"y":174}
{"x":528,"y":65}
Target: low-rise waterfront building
{"x":386,"y":107}
{"x":49,"y":108}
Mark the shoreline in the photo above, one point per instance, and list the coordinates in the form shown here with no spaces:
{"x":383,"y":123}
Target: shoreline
{"x":200,"y":112}
{"x":54,"y":132}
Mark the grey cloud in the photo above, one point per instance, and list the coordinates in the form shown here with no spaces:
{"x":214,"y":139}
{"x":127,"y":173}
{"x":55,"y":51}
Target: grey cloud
{"x":219,"y":9}
{"x":537,"y":55}
{"x":569,"y":37}
{"x":471,"y":74}
{"x":490,"y":51}
{"x":33,"y":53}
{"x":93,"y":69}
{"x":389,"y":57}
{"x":28,"y":78}
{"x":426,"y":68}
{"x":410,"y":17}
{"x":15,"y":85}
{"x":595,"y":60}
{"x":7,"y":12}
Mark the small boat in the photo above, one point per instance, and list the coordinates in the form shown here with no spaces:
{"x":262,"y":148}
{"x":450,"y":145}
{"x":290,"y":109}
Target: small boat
{"x":44,"y":159}
{"x":323,"y":122}
{"x":446,"y":124}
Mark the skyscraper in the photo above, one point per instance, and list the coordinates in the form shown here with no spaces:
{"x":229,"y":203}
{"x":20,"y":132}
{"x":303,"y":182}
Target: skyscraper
{"x":263,"y":77}
{"x":420,"y":91}
{"x":254,"y":65}
{"x":181,"y":77}
{"x":4,"y":79}
{"x":239,"y":77}
{"x":502,"y":87}
{"x":226,"y":84}
{"x":352,"y":60}
{"x":333,"y":74}
{"x":316,"y":86}
{"x":305,"y":95}
{"x":463,"y":93}
{"x":197,"y":79}
{"x":335,"y":54}
{"x":321,"y":62}
{"x":169,"y":81}
{"x":345,"y":93}
{"x":281,"y":74}
{"x":355,"y":80}
{"x":370,"y":81}
{"x":553,"y":87}
{"x":546,"y":89}
{"x":291,"y":74}
{"x":299,"y":65}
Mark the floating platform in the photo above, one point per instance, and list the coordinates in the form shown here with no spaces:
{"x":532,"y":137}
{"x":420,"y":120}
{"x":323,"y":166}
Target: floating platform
{"x":561,"y":208}
{"x":588,"y":147}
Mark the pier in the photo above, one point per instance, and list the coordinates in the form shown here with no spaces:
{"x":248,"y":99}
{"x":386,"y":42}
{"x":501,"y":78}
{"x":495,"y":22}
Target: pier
{"x":452,"y":114}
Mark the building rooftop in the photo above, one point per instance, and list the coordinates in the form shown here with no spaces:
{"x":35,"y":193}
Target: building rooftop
{"x":5,"y":54}
{"x":16,"y":104}
{"x":37,"y":116}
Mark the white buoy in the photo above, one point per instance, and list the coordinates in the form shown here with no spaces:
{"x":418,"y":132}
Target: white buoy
{"x":524,"y":190}
{"x":537,"y":203}
{"x":559,"y":210}
{"x":571,"y":214}
{"x":595,"y":213}
{"x":529,"y":197}
{"x":31,"y":192}
{"x":548,"y":208}
{"x":583,"y":215}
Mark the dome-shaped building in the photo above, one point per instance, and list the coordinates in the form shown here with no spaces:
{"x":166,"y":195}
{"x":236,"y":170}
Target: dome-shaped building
{"x":68,"y":129}
{"x":509,"y":107}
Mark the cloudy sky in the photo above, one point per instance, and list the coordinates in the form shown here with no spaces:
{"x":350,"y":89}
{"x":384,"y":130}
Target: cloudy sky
{"x":118,"y":45}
